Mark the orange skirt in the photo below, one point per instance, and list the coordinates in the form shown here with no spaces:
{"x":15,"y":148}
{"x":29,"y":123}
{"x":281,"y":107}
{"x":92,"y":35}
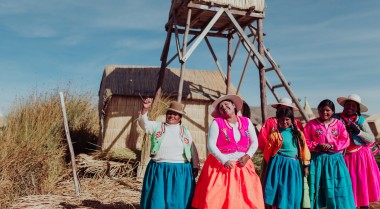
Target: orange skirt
{"x":222,"y":188}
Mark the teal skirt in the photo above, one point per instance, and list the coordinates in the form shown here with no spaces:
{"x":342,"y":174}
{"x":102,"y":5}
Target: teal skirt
{"x":330,"y":183}
{"x":167,"y":185}
{"x":283,"y":182}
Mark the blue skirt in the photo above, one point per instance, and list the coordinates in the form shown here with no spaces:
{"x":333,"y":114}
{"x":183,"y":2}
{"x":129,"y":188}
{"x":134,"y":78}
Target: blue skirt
{"x":167,"y":185}
{"x":283,"y":182}
{"x":330,"y":182}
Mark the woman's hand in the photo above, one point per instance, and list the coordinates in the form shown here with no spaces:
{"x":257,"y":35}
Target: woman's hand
{"x":147,"y":103}
{"x":229,"y":164}
{"x":243,"y":160}
{"x":323,"y":146}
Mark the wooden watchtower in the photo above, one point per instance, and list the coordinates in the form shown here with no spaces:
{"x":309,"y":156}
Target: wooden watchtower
{"x":197,"y":20}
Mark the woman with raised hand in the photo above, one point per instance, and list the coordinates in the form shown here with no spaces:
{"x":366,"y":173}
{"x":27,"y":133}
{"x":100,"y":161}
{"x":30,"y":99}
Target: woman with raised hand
{"x":169,"y":178}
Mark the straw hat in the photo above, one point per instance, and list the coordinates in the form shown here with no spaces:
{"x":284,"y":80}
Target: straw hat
{"x":286,"y":102}
{"x":352,"y":97}
{"x":237,"y":100}
{"x":177,"y":107}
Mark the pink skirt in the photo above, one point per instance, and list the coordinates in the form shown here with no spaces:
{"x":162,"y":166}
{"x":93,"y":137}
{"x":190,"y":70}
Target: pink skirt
{"x":365,"y":176}
{"x":222,"y":188}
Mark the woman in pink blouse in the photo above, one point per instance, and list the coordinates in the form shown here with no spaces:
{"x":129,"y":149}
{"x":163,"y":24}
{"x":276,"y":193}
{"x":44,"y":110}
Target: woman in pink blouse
{"x":329,"y":180}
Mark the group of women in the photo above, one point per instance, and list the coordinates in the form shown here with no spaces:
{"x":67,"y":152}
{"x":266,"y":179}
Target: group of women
{"x":328,"y":163}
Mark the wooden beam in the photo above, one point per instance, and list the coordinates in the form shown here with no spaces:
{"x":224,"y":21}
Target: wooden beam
{"x":196,"y":18}
{"x":174,"y":56}
{"x":197,"y":33}
{"x":229,"y":63}
{"x":272,"y":90}
{"x":161,"y":73}
{"x":215,"y":59}
{"x":245,"y":38}
{"x":202,"y":35}
{"x":286,"y":85}
{"x":177,"y":40}
{"x":183,"y":63}
{"x":263,"y":95}
{"x":246,"y":65}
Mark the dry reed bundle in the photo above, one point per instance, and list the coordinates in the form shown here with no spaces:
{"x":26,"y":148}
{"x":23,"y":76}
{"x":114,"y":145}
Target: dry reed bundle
{"x":88,"y":166}
{"x":104,"y":193}
{"x":32,"y":157}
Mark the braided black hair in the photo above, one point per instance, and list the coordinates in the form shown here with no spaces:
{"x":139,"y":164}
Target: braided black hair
{"x":288,"y":112}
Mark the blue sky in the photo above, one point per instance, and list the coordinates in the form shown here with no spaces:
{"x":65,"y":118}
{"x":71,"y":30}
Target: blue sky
{"x":326,"y":48}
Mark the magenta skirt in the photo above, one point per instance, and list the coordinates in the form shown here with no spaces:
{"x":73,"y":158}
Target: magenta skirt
{"x":365,"y":176}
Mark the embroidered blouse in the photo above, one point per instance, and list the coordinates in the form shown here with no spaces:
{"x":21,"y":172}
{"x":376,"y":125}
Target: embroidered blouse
{"x":334,"y":133}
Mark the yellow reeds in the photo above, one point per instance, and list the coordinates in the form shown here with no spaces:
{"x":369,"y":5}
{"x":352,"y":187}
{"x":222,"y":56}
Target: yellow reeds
{"x":32,"y":157}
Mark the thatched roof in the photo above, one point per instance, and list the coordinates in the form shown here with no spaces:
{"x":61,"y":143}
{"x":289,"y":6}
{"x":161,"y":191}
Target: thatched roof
{"x":141,"y":81}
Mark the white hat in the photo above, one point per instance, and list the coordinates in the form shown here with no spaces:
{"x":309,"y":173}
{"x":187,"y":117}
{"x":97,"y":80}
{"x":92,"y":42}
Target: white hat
{"x":237,"y":100}
{"x":286,"y":102}
{"x":353,"y":97}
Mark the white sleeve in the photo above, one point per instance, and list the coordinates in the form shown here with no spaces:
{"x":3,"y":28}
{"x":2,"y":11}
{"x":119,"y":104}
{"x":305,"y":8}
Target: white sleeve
{"x":366,"y":133}
{"x":147,"y":125}
{"x":213,"y":133}
{"x":253,"y":140}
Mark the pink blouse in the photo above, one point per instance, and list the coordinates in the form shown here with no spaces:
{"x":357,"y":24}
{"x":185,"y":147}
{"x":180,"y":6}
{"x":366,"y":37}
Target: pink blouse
{"x":335,"y":134}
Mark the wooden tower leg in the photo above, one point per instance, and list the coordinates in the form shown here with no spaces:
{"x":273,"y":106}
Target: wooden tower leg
{"x":183,"y":63}
{"x":263,"y":96}
{"x":164,"y":58}
{"x":229,"y":63}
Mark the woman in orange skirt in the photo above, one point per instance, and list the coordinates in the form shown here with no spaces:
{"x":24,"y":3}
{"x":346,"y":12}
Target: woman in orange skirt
{"x":228,"y":178}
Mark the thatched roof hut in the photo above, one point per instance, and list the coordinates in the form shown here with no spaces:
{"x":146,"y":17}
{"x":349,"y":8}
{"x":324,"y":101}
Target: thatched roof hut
{"x":120,"y":94}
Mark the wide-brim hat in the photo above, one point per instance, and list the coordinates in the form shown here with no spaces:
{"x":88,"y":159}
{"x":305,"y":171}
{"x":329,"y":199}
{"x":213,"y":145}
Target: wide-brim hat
{"x":237,"y":100}
{"x":286,"y":102}
{"x":177,"y":107}
{"x":352,"y":97}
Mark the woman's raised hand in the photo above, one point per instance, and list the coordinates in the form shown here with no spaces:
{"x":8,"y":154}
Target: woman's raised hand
{"x":147,"y":103}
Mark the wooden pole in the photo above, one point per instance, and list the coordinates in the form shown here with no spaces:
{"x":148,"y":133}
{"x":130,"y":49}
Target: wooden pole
{"x":183,"y":63}
{"x":72,"y":156}
{"x":164,"y":57}
{"x":263,"y":96}
{"x":229,"y":63}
